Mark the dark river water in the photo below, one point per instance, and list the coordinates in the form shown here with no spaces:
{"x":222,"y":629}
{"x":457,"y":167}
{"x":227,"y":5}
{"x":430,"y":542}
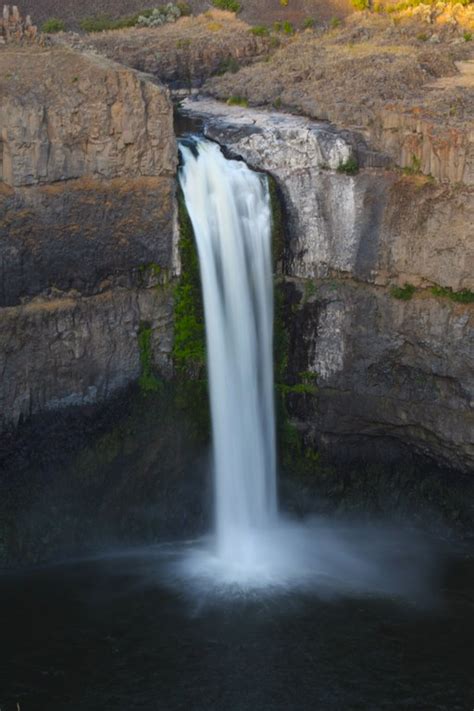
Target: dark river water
{"x":104,"y":634}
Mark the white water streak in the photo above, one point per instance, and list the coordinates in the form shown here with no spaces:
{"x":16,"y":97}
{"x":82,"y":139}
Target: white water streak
{"x":229,"y":207}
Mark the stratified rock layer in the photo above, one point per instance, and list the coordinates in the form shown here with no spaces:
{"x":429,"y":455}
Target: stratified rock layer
{"x":386,"y":369}
{"x":87,"y":228}
{"x":66,"y":115}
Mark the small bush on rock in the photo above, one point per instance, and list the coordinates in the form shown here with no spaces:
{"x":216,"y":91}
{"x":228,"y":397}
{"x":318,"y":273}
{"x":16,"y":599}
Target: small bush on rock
{"x":237,"y":101}
{"x":229,"y":64}
{"x":404,"y":293}
{"x":160,"y":16}
{"x":349,"y":167}
{"x":414,"y":168}
{"x":53,"y":25}
{"x":260,"y":31}
{"x":184,"y":8}
{"x":461,"y":297}
{"x":231,"y":5}
{"x":101,"y":23}
{"x":360,"y":4}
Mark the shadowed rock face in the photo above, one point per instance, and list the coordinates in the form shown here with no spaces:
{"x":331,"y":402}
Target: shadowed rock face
{"x":386,"y":368}
{"x":87,"y":228}
{"x":85,"y":235}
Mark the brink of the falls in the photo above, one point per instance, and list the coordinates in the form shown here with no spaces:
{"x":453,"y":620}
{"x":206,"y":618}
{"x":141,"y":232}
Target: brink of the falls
{"x":229,"y":207}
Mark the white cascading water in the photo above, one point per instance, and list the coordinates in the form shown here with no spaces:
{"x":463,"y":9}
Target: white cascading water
{"x":256,"y":549}
{"x":229,"y":207}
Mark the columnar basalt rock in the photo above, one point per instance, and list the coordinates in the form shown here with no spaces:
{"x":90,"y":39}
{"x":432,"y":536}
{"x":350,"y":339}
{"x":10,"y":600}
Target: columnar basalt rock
{"x":387,"y":370}
{"x":88,"y":236}
{"x":66,"y":115}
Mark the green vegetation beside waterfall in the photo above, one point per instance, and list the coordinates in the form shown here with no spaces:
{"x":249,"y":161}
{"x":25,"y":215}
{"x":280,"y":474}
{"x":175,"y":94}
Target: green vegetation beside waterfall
{"x":189,"y":350}
{"x":148,"y":382}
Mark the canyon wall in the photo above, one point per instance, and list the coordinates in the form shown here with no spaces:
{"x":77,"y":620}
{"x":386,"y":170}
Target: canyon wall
{"x":88,"y":236}
{"x":389,"y":364}
{"x":373,"y":264}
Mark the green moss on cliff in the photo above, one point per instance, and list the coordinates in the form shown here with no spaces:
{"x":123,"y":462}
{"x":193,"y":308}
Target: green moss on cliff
{"x":461,"y":297}
{"x":147,"y":382}
{"x":403,"y":293}
{"x":278,"y":223}
{"x":189,"y":349}
{"x":349,"y":167}
{"x":231,"y":5}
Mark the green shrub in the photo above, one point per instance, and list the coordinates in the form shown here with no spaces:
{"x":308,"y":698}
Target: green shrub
{"x":461,"y":297}
{"x":229,"y":64}
{"x":184,"y":8}
{"x":360,"y":4}
{"x":422,"y":37}
{"x":99,"y":23}
{"x":415,"y":167}
{"x":404,"y":293}
{"x":148,"y":382}
{"x":309,"y":23}
{"x":159,"y":16}
{"x":285,"y":26}
{"x":237,"y":101}
{"x":231,"y":5}
{"x":189,"y":349}
{"x":335,"y":22}
{"x":260,"y":31}
{"x":284,"y":3}
{"x":310,"y":290}
{"x":146,"y":18}
{"x":406,"y":4}
{"x":53,"y":25}
{"x":349,"y":167}
{"x":467,"y":36}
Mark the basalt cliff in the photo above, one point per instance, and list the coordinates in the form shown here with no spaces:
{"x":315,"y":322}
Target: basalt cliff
{"x":87,"y":227}
{"x":374,"y":264}
{"x":369,"y":264}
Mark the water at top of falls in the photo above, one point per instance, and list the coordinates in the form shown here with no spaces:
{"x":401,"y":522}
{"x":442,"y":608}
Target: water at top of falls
{"x":229,"y":207}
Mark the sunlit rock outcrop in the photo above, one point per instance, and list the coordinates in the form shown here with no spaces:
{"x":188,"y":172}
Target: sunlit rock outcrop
{"x":393,"y":364}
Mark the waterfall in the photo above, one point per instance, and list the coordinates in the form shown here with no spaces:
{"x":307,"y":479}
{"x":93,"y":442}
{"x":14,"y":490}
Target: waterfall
{"x":254,"y":546}
{"x":229,"y":207}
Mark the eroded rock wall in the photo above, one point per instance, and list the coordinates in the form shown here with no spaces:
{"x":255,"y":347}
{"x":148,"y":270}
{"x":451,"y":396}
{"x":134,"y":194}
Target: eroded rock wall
{"x":387,"y":370}
{"x":88,"y":236}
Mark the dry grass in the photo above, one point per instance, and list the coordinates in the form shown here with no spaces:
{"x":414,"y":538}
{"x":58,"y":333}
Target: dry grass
{"x":191,"y":49}
{"x":347,"y":75}
{"x":253,"y":11}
